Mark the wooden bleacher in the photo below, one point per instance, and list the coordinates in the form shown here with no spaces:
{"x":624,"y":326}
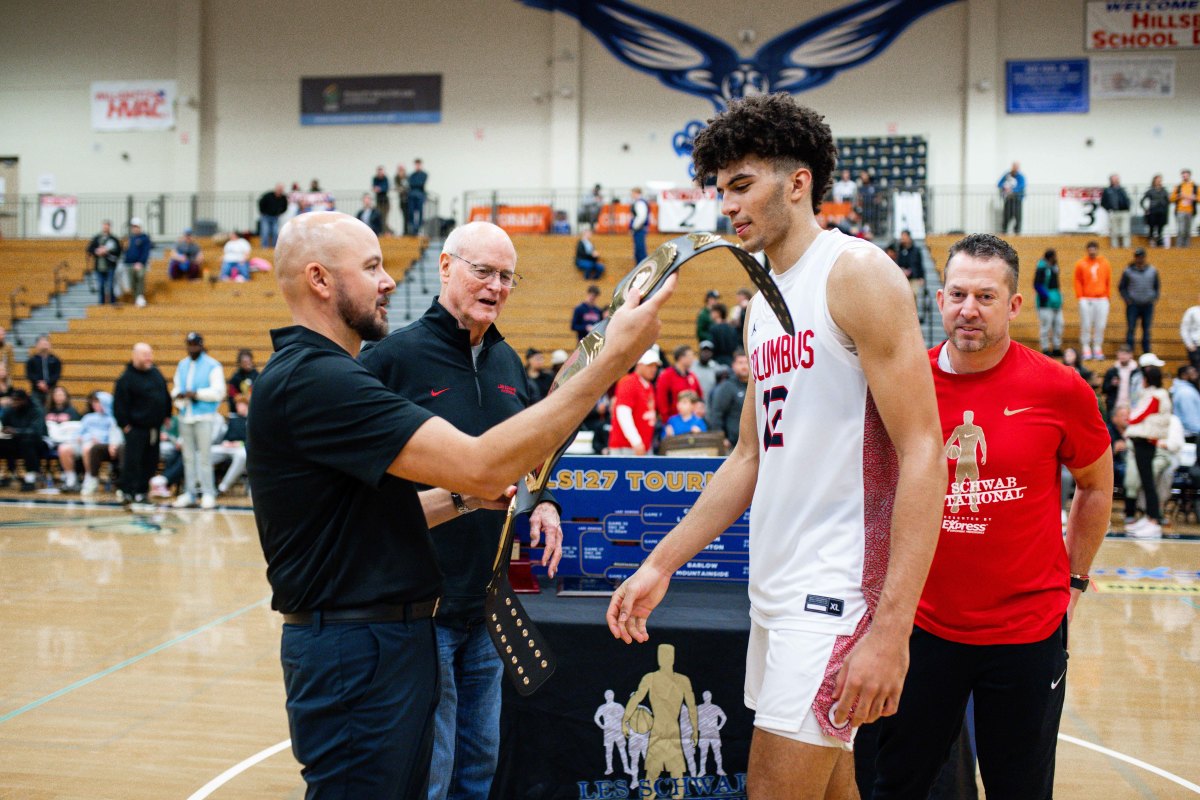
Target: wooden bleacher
{"x":1178,"y":276}
{"x":30,"y":263}
{"x":231,"y":316}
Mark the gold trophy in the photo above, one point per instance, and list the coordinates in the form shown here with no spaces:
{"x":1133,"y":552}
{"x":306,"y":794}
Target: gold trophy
{"x":527,"y":658}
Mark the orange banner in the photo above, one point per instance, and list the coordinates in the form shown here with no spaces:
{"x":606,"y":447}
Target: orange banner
{"x":615,"y":217}
{"x":516,"y":219}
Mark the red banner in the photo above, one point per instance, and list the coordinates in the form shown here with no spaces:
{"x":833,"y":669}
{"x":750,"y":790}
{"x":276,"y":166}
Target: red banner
{"x":615,"y":218}
{"x":516,"y":219}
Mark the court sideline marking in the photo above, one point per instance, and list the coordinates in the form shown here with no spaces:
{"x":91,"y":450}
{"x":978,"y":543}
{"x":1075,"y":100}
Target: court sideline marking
{"x":183,"y":637}
{"x":237,"y":769}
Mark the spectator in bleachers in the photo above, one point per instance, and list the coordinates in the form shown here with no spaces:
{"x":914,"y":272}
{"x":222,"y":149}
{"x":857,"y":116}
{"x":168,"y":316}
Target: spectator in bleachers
{"x":43,"y":369}
{"x":639,"y":223}
{"x":1189,"y":331}
{"x":137,"y":262}
{"x":868,"y":206}
{"x":235,"y":259}
{"x":184,"y":260}
{"x":1139,"y":289}
{"x":705,"y":369}
{"x":589,"y":213}
{"x":416,"y":197}
{"x":586,"y":257}
{"x":587,"y":314}
{"x":198,"y":387}
{"x":105,"y":250}
{"x":737,"y":314}
{"x":1166,"y":460}
{"x":383,"y":201}
{"x":271,"y":206}
{"x":704,"y":318}
{"x":1185,"y":400}
{"x":1118,"y":421}
{"x":97,"y":443}
{"x":316,"y":198}
{"x":540,"y":377}
{"x":6,"y":351}
{"x":141,"y":407}
{"x":1155,"y":205}
{"x":1070,"y":358}
{"x":728,"y":397}
{"x":724,"y":336}
{"x":243,"y":378}
{"x":676,"y":379}
{"x":1012,"y":193}
{"x":912,"y":264}
{"x":24,"y":427}
{"x":561,"y":225}
{"x":232,"y":447}
{"x":62,"y":434}
{"x":370,"y":215}
{"x":400,"y":181}
{"x":685,"y":421}
{"x":6,"y":387}
{"x":1048,"y":288}
{"x":845,"y":190}
{"x":1123,"y":381}
{"x":1093,"y":283}
{"x":633,"y":415}
{"x":1184,"y":198}
{"x":1149,"y":421}
{"x":1115,"y":200}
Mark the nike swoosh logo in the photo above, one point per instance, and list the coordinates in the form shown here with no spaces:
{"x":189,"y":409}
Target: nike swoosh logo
{"x":1009,"y":413}
{"x":440,"y":391}
{"x":1054,"y":684}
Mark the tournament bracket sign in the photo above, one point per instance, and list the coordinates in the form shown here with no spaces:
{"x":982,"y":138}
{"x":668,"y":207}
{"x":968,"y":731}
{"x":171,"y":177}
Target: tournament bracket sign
{"x":615,"y":509}
{"x":1079,"y":210}
{"x":58,"y":215}
{"x":687,"y":210}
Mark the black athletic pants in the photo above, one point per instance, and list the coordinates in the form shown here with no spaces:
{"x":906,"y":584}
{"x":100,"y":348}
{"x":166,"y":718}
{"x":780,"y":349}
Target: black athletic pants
{"x":140,"y":461}
{"x":1143,"y":456}
{"x":1019,"y":691}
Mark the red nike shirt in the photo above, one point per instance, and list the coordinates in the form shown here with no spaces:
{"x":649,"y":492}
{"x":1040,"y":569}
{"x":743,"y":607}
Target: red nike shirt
{"x":1000,"y":574}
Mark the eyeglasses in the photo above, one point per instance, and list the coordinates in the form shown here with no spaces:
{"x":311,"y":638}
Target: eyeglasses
{"x":508,"y":279}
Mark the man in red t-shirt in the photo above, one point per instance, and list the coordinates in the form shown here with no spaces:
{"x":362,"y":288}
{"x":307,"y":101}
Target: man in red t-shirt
{"x":633,"y":416}
{"x":994,"y":612}
{"x":675,"y":380}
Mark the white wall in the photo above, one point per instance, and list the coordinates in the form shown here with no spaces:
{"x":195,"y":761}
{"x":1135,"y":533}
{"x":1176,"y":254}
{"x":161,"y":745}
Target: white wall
{"x":242,"y":60}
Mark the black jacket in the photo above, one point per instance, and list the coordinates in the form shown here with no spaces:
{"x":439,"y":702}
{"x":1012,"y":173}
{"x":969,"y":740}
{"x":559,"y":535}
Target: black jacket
{"x":1114,"y":198}
{"x":429,"y":362}
{"x":141,"y":398}
{"x":272,"y":205}
{"x":28,"y":420}
{"x":110,"y":259}
{"x":49,"y":370}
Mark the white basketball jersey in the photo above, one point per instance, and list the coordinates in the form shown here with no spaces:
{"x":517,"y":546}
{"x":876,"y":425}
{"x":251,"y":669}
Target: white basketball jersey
{"x":820,"y":521}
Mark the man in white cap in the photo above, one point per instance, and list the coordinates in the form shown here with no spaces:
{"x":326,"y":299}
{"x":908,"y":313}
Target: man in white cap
{"x":633,"y":415}
{"x":137,"y":259}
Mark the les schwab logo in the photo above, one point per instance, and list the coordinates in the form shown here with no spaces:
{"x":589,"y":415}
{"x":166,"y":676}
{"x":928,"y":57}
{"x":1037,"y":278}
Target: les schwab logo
{"x":967,"y":447}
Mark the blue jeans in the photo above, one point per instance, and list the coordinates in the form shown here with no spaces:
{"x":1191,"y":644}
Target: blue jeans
{"x":268,"y":230}
{"x":416,"y":211}
{"x":1134,"y":312}
{"x":360,"y":700}
{"x":466,"y":730}
{"x":639,"y":245}
{"x":105,"y":284}
{"x":232,"y":269}
{"x":591,"y":268}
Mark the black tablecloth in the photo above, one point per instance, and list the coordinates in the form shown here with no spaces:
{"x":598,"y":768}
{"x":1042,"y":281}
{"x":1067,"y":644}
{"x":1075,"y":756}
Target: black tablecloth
{"x":551,"y":745}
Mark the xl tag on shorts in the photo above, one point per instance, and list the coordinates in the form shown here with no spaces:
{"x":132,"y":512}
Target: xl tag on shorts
{"x":824,"y":605}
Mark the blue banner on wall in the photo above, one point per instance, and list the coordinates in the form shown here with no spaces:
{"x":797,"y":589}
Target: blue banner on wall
{"x":615,"y":509}
{"x":1047,"y":87}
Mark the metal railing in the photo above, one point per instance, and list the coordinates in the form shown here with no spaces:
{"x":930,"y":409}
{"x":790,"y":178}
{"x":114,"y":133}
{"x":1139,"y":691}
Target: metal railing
{"x":13,"y":304}
{"x":165,"y":215}
{"x":61,"y":284}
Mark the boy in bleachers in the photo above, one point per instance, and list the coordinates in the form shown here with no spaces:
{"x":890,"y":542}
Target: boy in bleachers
{"x":686,"y":420}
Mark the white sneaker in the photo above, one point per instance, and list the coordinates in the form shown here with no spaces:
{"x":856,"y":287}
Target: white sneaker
{"x":158,"y":487}
{"x":140,"y":302}
{"x":184,"y":500}
{"x":1151,"y":530}
{"x":1137,"y":525}
{"x":89,"y":486}
{"x":208,"y":501}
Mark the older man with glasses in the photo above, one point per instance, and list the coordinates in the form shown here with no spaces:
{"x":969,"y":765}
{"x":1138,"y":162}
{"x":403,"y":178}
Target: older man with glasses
{"x":454,"y":362}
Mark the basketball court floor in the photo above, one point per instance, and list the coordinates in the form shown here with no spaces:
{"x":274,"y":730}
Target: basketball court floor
{"x":140,"y":659}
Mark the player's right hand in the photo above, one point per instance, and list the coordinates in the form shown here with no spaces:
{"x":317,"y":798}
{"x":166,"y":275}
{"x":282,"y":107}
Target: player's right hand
{"x":634,"y":328}
{"x":633,"y":601}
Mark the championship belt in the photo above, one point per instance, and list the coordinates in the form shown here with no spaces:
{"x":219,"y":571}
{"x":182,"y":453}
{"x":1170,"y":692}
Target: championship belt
{"x":527,"y":657}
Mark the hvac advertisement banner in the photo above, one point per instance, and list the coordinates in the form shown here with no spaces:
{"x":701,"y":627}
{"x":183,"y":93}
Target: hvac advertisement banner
{"x":371,"y":99}
{"x":1147,"y":25}
{"x":133,"y":105}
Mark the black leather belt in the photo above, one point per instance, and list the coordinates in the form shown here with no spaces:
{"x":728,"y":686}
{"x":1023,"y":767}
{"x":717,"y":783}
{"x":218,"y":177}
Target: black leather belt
{"x":382,"y":612}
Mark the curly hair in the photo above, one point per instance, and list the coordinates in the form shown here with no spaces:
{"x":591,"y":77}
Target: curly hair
{"x":773,"y":127}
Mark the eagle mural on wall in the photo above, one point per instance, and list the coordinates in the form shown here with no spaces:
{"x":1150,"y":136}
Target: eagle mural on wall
{"x":690,"y":60}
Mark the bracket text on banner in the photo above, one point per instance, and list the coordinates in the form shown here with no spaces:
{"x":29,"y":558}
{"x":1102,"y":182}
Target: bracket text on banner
{"x":58,"y":216}
{"x":1079,"y":210}
{"x":687,"y":210}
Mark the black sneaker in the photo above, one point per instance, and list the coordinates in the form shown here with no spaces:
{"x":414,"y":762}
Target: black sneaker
{"x":5,"y":482}
{"x":28,"y":486}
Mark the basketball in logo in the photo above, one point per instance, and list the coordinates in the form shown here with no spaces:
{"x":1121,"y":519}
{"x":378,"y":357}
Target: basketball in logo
{"x":953,"y":451}
{"x":641,"y":720}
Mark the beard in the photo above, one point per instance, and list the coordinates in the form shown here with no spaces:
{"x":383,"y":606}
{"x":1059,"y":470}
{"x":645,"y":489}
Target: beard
{"x":965,"y":345}
{"x":364,"y":322}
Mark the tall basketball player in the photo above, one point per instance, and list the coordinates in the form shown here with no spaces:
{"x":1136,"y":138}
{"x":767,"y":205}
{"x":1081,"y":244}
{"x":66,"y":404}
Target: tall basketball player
{"x":840,"y":451}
